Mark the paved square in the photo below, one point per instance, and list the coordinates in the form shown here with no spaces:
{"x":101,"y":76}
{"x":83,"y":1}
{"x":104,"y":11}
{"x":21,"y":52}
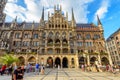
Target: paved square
{"x":67,"y":74}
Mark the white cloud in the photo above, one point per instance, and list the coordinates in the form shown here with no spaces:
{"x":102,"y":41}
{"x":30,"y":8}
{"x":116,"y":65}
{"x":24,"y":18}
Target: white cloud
{"x":13,"y":1}
{"x":103,"y":9}
{"x":34,"y":9}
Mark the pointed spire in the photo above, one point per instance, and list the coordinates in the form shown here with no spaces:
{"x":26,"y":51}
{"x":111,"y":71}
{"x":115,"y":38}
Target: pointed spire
{"x":24,"y":22}
{"x":16,"y":19}
{"x":48,"y":14}
{"x":60,"y":8}
{"x":99,"y":22}
{"x":54,"y":7}
{"x":33,"y":25}
{"x":67,"y":15}
{"x":42,"y":14}
{"x":73,"y":15}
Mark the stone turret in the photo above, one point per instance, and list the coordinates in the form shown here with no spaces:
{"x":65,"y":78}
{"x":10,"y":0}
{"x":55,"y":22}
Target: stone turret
{"x":14,"y":23}
{"x":42,"y":19}
{"x":73,"y":22}
{"x":33,"y":24}
{"x":99,"y":23}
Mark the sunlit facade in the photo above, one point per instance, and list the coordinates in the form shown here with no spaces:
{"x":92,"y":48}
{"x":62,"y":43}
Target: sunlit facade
{"x":56,"y":41}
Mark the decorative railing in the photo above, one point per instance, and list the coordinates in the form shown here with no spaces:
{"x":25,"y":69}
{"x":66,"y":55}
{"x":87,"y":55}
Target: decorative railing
{"x":57,"y":44}
{"x":49,"y":44}
{"x":64,"y":44}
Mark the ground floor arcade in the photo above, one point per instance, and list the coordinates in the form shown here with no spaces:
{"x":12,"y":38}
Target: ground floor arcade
{"x":65,"y":61}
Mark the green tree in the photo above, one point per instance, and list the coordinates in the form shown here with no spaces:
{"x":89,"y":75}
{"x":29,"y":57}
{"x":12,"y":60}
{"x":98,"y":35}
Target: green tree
{"x":8,"y":59}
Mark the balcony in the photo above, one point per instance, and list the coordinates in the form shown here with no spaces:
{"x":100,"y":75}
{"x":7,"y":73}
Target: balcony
{"x":50,"y":44}
{"x":57,"y":44}
{"x":65,"y":44}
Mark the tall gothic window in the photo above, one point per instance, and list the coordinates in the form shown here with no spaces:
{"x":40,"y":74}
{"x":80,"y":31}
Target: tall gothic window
{"x":43,"y":34}
{"x":80,"y":43}
{"x":26,"y":35}
{"x":70,"y":35}
{"x":17,"y":35}
{"x":49,"y":25}
{"x":96,"y":36}
{"x":36,"y":43}
{"x":88,"y":36}
{"x":50,"y":35}
{"x":89,"y":44}
{"x":26,"y":43}
{"x":35,"y":36}
{"x":57,"y":35}
{"x":63,"y":34}
{"x":72,"y":61}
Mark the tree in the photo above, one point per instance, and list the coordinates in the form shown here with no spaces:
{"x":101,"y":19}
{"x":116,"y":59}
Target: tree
{"x":8,"y":59}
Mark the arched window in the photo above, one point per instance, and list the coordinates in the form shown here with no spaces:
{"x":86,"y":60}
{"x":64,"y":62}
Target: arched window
{"x":78,"y":36}
{"x":50,"y":41}
{"x":50,"y":51}
{"x":71,"y":43}
{"x":17,"y":35}
{"x":63,"y":34}
{"x":26,"y":35}
{"x":57,"y":35}
{"x":88,"y":36}
{"x":44,"y":35}
{"x":72,"y":51}
{"x":96,"y":36}
{"x":35,"y":36}
{"x":70,"y":35}
{"x":49,"y":25}
{"x":65,"y":26}
{"x":72,"y":61}
{"x":50,"y":35}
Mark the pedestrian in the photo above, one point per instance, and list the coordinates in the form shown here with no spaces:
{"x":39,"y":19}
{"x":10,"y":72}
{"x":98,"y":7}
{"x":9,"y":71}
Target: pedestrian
{"x":37,"y":69}
{"x":83,"y":67}
{"x":58,"y":66}
{"x":42,"y":69}
{"x":10,"y":69}
{"x":17,"y":74}
{"x":3,"y":69}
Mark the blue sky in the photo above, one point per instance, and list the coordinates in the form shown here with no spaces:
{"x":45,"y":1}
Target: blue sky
{"x":85,"y":11}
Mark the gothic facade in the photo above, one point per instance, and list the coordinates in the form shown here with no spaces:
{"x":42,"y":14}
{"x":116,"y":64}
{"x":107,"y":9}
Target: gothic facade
{"x":55,"y":41}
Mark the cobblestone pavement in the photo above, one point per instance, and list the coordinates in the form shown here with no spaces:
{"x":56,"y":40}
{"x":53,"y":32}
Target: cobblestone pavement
{"x":67,"y":74}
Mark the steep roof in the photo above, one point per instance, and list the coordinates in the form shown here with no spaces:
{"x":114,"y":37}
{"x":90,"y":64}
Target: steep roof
{"x":112,"y":35}
{"x":87,"y":27}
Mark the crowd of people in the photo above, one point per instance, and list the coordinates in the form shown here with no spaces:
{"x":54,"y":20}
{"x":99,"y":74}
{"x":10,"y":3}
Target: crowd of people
{"x":17,"y":72}
{"x":100,"y":68}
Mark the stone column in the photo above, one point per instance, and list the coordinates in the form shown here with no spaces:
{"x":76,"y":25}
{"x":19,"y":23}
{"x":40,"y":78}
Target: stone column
{"x":61,"y":51}
{"x":99,"y":58}
{"x":53,"y":62}
{"x":88,"y":59}
{"x":45,"y":51}
{"x":61,"y":63}
{"x":77,"y":62}
{"x":26,"y":60}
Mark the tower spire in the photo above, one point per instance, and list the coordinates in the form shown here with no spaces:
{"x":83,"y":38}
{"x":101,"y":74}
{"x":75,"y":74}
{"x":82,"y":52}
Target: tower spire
{"x":16,"y":19}
{"x":99,"y":23}
{"x":42,"y":18}
{"x":73,"y":18}
{"x":98,"y":19}
{"x":42,"y":14}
